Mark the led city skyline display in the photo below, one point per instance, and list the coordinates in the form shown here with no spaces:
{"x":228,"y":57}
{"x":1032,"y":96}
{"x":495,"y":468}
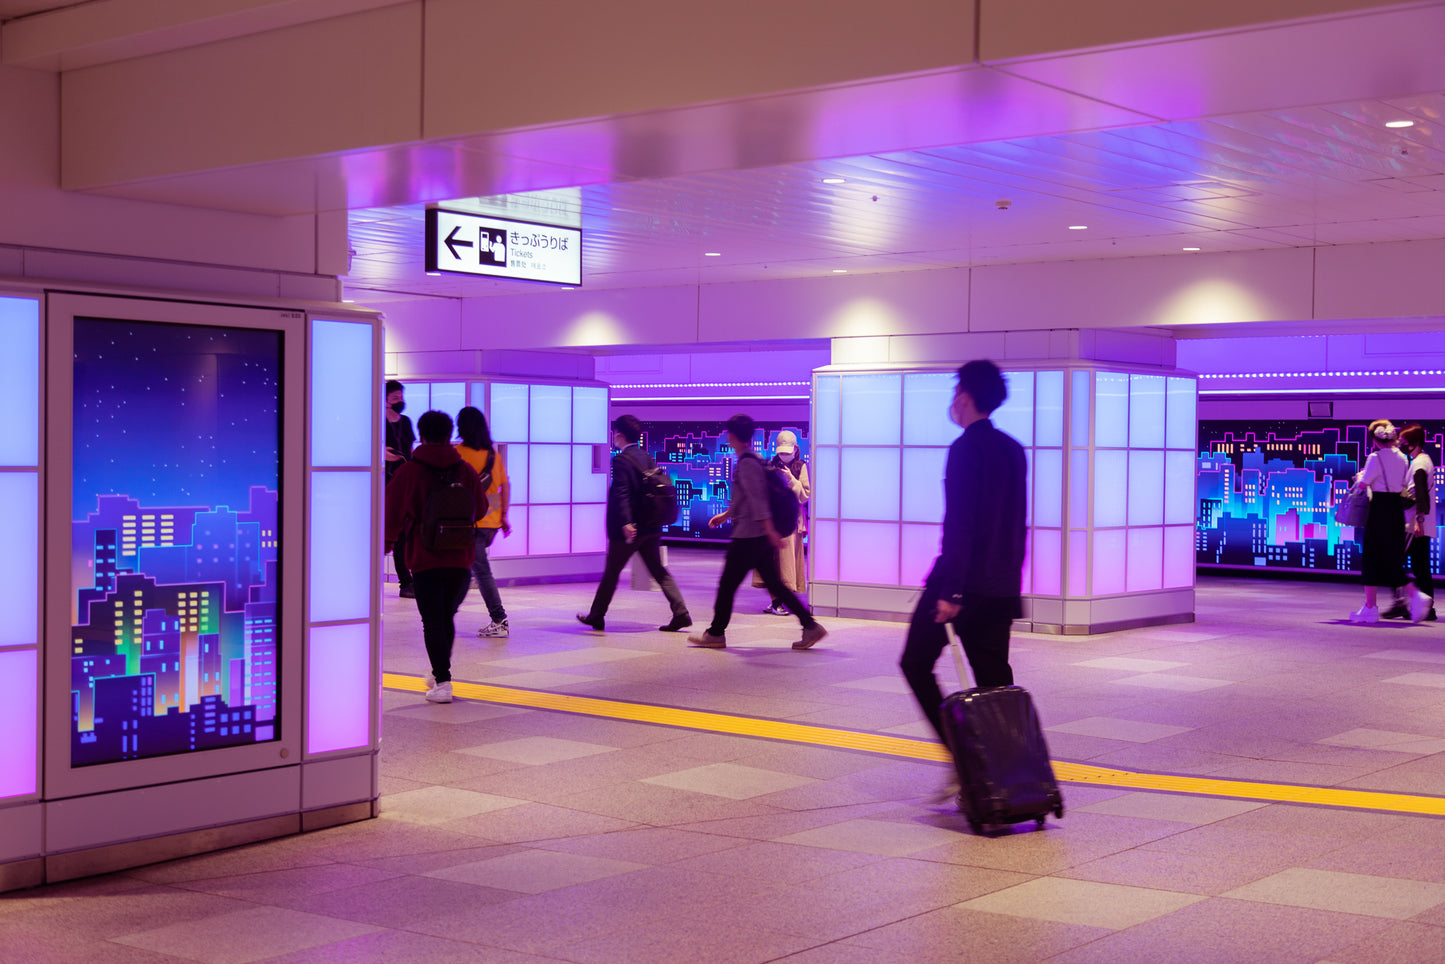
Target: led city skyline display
{"x":1267,"y":492}
{"x":700,"y":463}
{"x":174,"y":538}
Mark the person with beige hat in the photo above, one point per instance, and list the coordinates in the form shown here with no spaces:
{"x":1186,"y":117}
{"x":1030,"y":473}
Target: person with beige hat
{"x":791,"y":564}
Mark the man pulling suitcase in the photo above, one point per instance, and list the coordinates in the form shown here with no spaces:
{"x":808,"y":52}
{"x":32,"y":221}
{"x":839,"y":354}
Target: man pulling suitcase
{"x":975,"y":582}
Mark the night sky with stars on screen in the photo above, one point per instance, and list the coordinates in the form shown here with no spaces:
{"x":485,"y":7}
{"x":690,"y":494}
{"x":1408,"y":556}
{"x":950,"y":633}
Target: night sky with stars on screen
{"x":174,"y":415}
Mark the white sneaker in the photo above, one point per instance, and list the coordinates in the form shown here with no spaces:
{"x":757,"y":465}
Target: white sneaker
{"x":431,"y":681}
{"x":494,"y":628}
{"x":440,"y":693}
{"x":1419,"y":605}
{"x":1366,"y":614}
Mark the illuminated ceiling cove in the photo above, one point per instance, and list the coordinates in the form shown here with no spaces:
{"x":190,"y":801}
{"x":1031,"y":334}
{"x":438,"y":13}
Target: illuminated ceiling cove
{"x":1310,"y":176}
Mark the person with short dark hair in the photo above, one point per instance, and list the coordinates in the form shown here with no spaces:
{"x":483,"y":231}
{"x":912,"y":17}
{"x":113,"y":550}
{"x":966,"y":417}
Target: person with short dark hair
{"x":754,"y":545}
{"x":439,"y":576}
{"x":626,"y":533}
{"x":398,"y":443}
{"x":477,"y":450}
{"x":976,"y":580}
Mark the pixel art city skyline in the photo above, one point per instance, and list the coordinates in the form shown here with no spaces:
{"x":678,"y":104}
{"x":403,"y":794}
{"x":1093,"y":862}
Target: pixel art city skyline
{"x":1267,"y":491}
{"x":174,"y":538}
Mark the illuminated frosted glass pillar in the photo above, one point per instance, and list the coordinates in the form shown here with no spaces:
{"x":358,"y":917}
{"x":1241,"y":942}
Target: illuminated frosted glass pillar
{"x":21,"y":563}
{"x":343,"y":579}
{"x":1110,"y":490}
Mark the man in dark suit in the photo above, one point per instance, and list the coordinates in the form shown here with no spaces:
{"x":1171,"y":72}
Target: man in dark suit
{"x":624,"y":533}
{"x":976,"y":579}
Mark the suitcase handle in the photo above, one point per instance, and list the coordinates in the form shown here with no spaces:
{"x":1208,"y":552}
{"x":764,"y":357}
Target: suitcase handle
{"x":957,"y":648}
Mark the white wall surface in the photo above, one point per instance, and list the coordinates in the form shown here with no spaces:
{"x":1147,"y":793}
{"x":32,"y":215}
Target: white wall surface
{"x":47,"y":232}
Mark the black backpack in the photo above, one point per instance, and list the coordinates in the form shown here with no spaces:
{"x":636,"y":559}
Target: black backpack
{"x":449,"y":517}
{"x":656,"y":507}
{"x":782,"y":500}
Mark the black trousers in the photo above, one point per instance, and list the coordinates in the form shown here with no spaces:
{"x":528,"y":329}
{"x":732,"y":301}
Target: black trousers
{"x":398,"y":555}
{"x":983,"y":628}
{"x":743,"y":556}
{"x":439,"y":592}
{"x":1418,"y":562}
{"x":618,"y":552}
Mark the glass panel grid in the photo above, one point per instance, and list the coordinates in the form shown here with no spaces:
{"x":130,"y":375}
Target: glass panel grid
{"x":20,"y":374}
{"x":870,"y":483}
{"x":872,"y":409}
{"x":339,"y":690}
{"x":343,"y":405}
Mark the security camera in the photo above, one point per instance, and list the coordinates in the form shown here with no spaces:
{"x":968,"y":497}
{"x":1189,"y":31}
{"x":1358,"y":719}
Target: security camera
{"x":1003,"y":204}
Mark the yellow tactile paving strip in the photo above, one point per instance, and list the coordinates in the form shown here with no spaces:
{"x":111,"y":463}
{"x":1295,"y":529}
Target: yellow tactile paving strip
{"x":921,"y":749}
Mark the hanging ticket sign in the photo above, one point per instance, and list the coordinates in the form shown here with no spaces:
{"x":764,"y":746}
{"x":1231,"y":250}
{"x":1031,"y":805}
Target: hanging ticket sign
{"x":474,"y":244}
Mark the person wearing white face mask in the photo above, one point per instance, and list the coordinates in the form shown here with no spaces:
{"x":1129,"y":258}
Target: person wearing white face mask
{"x":791,"y":565}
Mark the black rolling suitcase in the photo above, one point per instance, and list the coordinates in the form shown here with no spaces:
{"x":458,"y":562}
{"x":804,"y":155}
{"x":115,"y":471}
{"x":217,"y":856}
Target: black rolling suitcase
{"x":1000,"y":753}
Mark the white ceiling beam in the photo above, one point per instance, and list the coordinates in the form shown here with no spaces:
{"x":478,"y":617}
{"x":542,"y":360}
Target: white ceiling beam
{"x":106,"y":31}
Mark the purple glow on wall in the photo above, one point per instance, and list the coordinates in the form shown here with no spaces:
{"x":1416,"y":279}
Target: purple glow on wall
{"x":339,"y":697}
{"x":19,"y":695}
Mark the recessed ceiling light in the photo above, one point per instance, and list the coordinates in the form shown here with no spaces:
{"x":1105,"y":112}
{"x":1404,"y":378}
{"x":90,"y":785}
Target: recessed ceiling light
{"x":1078,"y":227}
{"x":835,"y":180}
{"x":1191,"y":249}
{"x":712,"y":254}
{"x":433,"y":274}
{"x":1400,"y":123}
{"x":348,"y":301}
{"x":840,"y":270}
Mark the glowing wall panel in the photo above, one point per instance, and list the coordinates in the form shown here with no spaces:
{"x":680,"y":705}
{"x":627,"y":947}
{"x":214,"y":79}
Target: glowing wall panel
{"x":920,"y":545}
{"x":826,"y":411}
{"x":589,"y":528}
{"x":1178,"y":557}
{"x":1183,"y":403}
{"x":1046,"y":561}
{"x":1049,"y":409}
{"x":1146,"y":411}
{"x":1110,"y":546}
{"x":1146,"y":488}
{"x":1145,"y":570}
{"x":1179,"y":504}
{"x":825,"y":483}
{"x":19,"y":718}
{"x":872,"y":409}
{"x":449,"y":397}
{"x":1016,"y":415}
{"x":519,"y":473}
{"x":551,"y":413}
{"x":824,"y":536}
{"x":923,"y":484}
{"x":549,"y":530}
{"x":1078,"y":563}
{"x":508,"y":415}
{"x":926,"y":398}
{"x":339,"y":692}
{"x":515,"y":545}
{"x":549,"y":473}
{"x":341,"y":394}
{"x":1111,"y":490}
{"x":1079,"y":420}
{"x":20,"y":374}
{"x":868,"y":553}
{"x":589,"y":486}
{"x":1111,"y":410}
{"x":340,"y":567}
{"x":19,"y":574}
{"x":589,"y":414}
{"x":870,"y":483}
{"x":1047,"y":475}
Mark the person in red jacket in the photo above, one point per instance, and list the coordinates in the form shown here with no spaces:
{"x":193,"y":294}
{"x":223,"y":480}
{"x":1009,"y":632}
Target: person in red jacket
{"x":439,"y":576}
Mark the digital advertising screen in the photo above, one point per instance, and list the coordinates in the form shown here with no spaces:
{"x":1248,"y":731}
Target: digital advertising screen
{"x":1267,"y":492}
{"x":175,"y":538}
{"x":697,"y":456}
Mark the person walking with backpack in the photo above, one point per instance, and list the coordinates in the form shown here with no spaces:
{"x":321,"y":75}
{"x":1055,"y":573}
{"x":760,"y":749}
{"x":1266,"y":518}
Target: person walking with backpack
{"x":477,"y":450}
{"x":632,"y":527}
{"x":755,"y":541}
{"x":435,"y":498}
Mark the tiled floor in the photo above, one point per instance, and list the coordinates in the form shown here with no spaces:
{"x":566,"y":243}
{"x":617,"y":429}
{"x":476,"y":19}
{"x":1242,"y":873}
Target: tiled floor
{"x":515,"y":835}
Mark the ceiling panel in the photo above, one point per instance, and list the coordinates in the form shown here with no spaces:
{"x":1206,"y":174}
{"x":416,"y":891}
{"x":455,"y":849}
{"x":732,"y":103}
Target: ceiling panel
{"x":1320,"y":175}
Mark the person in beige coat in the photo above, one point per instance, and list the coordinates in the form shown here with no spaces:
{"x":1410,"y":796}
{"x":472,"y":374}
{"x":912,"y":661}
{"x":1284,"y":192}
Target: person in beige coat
{"x":791,"y":564}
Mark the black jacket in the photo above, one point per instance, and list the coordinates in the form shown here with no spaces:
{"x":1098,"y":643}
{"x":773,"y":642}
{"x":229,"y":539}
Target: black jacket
{"x":624,"y":497}
{"x":984,"y":527}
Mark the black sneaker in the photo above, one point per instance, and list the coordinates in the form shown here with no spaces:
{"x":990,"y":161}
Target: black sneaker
{"x":1398,"y":611}
{"x":591,"y":623}
{"x":677,"y":623}
{"x":406,"y":592}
